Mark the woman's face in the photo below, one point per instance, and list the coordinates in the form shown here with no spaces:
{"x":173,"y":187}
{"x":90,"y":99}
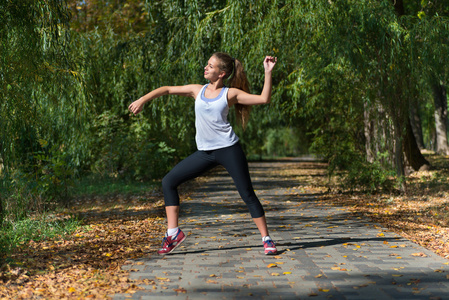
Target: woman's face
{"x":211,"y":71}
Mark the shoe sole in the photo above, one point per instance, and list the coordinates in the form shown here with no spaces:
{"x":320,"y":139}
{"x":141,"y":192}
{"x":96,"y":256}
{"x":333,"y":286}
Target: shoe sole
{"x":271,"y":253}
{"x":180,"y":242}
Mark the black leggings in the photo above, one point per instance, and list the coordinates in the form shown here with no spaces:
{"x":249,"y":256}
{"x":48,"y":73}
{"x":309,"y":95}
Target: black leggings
{"x":232,"y":158}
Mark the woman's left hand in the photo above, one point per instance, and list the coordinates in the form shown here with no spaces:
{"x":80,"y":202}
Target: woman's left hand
{"x":269,"y":63}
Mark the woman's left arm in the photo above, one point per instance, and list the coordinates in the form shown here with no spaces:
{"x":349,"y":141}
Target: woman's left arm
{"x":237,"y":96}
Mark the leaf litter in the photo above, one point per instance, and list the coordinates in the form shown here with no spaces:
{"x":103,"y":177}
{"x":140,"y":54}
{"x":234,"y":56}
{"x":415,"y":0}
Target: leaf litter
{"x":88,"y":264}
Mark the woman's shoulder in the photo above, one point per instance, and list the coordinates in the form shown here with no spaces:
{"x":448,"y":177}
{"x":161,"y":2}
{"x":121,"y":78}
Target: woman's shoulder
{"x":195,"y":86}
{"x":233,"y":92}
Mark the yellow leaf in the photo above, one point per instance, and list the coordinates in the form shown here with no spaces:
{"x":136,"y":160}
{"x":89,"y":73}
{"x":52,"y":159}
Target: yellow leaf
{"x":108,"y":254}
{"x":39,"y":291}
{"x":272,"y":266}
{"x":274,"y":274}
{"x":323,"y":290}
{"x":162,"y":278}
{"x":421,"y":254}
{"x":286,"y":273}
{"x":72,"y":290}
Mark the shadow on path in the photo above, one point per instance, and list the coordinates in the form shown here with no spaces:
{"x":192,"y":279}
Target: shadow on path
{"x":325,"y":252}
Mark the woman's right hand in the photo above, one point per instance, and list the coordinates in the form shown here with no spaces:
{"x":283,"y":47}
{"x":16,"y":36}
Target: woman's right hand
{"x":269,"y":62}
{"x":136,"y":107}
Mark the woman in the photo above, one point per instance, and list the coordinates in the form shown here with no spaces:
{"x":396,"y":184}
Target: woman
{"x":216,"y":141}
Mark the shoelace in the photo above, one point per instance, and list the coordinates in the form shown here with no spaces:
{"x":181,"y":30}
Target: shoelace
{"x":270,"y":243}
{"x":164,"y":241}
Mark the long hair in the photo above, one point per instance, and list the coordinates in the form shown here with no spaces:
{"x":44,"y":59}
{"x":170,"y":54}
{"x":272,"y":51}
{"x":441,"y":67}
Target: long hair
{"x":235,"y":78}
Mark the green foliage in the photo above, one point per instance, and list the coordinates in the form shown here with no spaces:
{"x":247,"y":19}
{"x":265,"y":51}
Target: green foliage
{"x":39,"y":185}
{"x":96,"y":185}
{"x":70,"y":71}
{"x":368,"y":176}
{"x":14,"y":234}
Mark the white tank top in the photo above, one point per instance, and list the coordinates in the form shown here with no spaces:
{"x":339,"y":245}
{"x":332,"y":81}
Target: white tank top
{"x":213,"y":131}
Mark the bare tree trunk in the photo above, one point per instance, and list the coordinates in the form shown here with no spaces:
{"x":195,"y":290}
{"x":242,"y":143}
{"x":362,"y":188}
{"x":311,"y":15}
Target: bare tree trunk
{"x":1,"y":195}
{"x":412,"y":153}
{"x":415,"y":122}
{"x":440,"y":101}
{"x":399,"y":159}
{"x":1,"y":210}
{"x":369,"y":134}
{"x":398,"y":7}
{"x":375,"y":132}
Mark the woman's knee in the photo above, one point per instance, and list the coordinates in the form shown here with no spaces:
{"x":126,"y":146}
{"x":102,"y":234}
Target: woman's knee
{"x":168,"y":182}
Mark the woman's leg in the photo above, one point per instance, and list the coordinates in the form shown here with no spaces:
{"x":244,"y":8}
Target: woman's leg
{"x":261,"y":224}
{"x":234,"y":160}
{"x":189,"y":168}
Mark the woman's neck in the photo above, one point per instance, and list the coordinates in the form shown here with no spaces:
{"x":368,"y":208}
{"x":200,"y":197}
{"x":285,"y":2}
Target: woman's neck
{"x":215,"y":85}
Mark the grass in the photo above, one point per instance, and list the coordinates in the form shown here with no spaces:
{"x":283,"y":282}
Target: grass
{"x":41,"y":227}
{"x":47,"y":226}
{"x":106,"y":186}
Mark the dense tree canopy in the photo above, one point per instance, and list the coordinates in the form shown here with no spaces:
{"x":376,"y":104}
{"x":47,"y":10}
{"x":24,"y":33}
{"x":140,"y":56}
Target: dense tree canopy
{"x":348,"y":76}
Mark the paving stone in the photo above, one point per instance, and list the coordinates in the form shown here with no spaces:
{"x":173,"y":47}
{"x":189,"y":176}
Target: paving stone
{"x":316,"y":242}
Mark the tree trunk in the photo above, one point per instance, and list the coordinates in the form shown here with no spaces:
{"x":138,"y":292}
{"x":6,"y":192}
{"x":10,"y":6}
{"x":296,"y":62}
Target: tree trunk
{"x":399,"y":7}
{"x":375,"y":132}
{"x":1,"y":210}
{"x":440,"y":101}
{"x":1,"y":195}
{"x":415,"y":122}
{"x":412,"y":153}
{"x":399,"y":159}
{"x":369,"y":134}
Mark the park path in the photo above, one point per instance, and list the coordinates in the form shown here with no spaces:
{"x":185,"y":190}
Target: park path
{"x":325,"y":252}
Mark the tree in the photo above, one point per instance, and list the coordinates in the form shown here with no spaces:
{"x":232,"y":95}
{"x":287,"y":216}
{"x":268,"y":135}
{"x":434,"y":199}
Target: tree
{"x":431,"y":47}
{"x":35,"y":72}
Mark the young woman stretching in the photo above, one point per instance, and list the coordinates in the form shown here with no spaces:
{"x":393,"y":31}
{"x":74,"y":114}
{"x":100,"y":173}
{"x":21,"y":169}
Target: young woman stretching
{"x":216,"y":141}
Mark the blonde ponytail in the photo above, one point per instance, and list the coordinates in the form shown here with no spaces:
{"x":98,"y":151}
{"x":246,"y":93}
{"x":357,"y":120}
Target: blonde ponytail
{"x":236,"y":78}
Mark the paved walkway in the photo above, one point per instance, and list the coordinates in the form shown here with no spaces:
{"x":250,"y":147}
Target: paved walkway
{"x":325,"y":253}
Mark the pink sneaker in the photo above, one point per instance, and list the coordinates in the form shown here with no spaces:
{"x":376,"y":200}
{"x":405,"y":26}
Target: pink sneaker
{"x":169,"y":243}
{"x":270,"y":247}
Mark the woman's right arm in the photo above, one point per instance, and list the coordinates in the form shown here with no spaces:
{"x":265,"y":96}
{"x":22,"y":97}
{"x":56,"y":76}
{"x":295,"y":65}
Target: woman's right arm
{"x":190,"y":90}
